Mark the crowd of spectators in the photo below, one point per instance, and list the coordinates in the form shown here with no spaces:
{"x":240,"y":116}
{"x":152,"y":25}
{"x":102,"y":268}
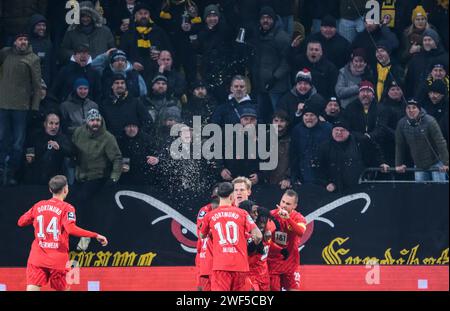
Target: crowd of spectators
{"x":96,"y":101}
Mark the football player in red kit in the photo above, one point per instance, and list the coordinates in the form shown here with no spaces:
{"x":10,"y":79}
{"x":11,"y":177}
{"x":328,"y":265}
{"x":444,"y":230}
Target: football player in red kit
{"x":284,"y":265}
{"x":257,"y":254}
{"x":242,"y":189}
{"x":53,"y":221}
{"x":228,"y":226}
{"x":203,"y":260}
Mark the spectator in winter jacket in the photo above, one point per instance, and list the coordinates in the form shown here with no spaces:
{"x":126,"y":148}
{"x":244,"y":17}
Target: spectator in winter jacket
{"x":20,"y":89}
{"x":361,"y":114}
{"x":119,"y":108}
{"x":246,"y":165}
{"x":420,"y":64}
{"x":344,"y":157}
{"x":143,"y":41}
{"x":374,"y":33}
{"x":350,"y":76}
{"x":324,"y":73}
{"x":176,"y":84}
{"x":138,"y":147}
{"x":80,"y":66}
{"x":437,"y":71}
{"x":90,"y":32}
{"x":160,"y":100}
{"x":411,"y":40}
{"x":281,"y":176}
{"x":386,"y":70}
{"x":294,"y":101}
{"x":181,"y":20}
{"x":74,"y":110}
{"x":390,"y":110}
{"x":335,"y":47}
{"x":306,"y":138}
{"x":42,"y":46}
{"x":229,"y":112}
{"x":437,"y":101}
{"x":200,"y":103}
{"x":115,"y":62}
{"x":270,"y":67}
{"x":50,"y":147}
{"x":420,"y":134}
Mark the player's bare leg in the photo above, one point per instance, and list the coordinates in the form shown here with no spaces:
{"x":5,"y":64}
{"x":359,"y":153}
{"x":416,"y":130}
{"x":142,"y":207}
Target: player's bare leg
{"x":33,"y":288}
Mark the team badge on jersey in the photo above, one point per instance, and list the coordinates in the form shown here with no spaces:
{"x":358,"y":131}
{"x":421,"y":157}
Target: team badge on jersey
{"x":70,"y":216}
{"x":201,"y":215}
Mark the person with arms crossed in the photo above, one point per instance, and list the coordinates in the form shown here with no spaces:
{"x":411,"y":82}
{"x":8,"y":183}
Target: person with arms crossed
{"x":284,"y":265}
{"x":228,"y":226}
{"x":53,"y":221}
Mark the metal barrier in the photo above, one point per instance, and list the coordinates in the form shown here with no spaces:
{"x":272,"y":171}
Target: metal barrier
{"x":364,"y":178}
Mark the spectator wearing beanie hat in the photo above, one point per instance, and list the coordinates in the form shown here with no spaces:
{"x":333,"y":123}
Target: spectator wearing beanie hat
{"x":351,"y":75}
{"x":386,"y":69}
{"x":334,"y":46}
{"x":418,"y":67}
{"x":74,"y":110}
{"x":115,"y":62}
{"x":345,"y":150}
{"x":412,"y":35}
{"x":294,"y":101}
{"x":306,"y":138}
{"x":436,"y":103}
{"x":160,"y":100}
{"x":437,"y":71}
{"x":362,"y":114}
{"x":270,"y":67}
{"x":416,"y":133}
{"x":332,"y":110}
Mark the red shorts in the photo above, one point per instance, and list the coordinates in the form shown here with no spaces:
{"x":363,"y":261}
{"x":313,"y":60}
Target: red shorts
{"x":288,"y":281}
{"x":204,"y":283}
{"x":260,"y":283}
{"x":228,"y":281}
{"x":40,"y":276}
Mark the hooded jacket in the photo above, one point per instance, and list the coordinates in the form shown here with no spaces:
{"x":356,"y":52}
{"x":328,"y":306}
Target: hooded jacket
{"x":43,"y":47}
{"x":20,"y":79}
{"x":98,"y":37}
{"x":98,"y":155}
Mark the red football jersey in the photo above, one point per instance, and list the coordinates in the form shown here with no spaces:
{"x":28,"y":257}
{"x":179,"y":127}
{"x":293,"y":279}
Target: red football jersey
{"x":50,"y":219}
{"x":228,"y":226}
{"x":288,"y":239}
{"x":203,"y":260}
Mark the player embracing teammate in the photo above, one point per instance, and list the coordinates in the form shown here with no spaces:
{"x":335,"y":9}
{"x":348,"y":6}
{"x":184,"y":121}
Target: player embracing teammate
{"x":271,"y":264}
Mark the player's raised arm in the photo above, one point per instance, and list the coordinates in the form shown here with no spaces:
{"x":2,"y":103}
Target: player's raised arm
{"x":26,"y":219}
{"x":256,"y":235}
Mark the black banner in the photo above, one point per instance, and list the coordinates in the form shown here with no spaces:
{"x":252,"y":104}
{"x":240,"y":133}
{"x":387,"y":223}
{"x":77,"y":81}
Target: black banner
{"x":394,"y":224}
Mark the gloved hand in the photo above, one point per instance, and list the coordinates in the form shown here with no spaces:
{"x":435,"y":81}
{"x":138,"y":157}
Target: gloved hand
{"x":285,"y":253}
